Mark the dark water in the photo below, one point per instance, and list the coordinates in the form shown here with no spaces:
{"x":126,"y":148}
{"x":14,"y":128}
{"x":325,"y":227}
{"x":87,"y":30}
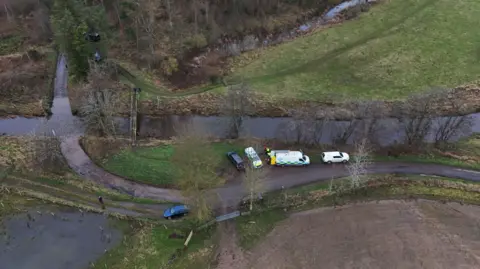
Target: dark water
{"x":388,"y":131}
{"x":69,"y":240}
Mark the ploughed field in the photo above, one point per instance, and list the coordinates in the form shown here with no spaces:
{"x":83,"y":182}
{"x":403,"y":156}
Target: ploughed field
{"x":385,"y":234}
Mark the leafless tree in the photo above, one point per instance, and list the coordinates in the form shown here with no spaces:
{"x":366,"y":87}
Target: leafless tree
{"x":237,"y":105}
{"x":45,"y":153}
{"x":305,"y":127}
{"x":364,"y":127}
{"x":196,"y":164}
{"x":357,"y":168}
{"x":416,"y":116}
{"x":343,"y":131}
{"x":147,"y":30}
{"x":451,"y":126}
{"x":100,"y":101}
{"x":253,"y":181}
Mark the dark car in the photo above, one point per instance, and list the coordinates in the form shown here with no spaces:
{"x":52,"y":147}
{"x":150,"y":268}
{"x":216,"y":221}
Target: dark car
{"x":236,"y":160}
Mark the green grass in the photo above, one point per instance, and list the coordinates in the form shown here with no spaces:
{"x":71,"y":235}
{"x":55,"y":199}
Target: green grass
{"x":10,"y":44}
{"x":430,"y":158}
{"x":250,"y":227}
{"x":147,"y":246}
{"x":153,"y":165}
{"x":398,"y":47}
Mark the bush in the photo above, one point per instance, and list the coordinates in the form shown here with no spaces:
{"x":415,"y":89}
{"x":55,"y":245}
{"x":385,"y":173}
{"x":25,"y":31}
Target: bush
{"x":196,"y":41}
{"x":169,"y":66}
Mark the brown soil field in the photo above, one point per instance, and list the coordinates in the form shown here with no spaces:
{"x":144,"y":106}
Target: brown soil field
{"x":385,"y":234}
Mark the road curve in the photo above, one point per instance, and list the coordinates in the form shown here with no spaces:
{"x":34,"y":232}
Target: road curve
{"x":231,"y":194}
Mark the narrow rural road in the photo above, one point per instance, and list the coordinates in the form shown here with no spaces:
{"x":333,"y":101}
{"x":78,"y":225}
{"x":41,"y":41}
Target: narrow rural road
{"x":231,"y":195}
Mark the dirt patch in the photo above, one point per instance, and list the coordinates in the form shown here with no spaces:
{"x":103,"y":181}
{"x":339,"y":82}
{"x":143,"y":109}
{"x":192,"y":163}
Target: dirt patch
{"x":387,"y":234}
{"x":229,"y":256}
{"x":25,"y":84}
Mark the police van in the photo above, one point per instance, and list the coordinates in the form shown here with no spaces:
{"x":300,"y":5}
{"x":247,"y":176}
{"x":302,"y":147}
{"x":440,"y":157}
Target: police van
{"x":288,"y":158}
{"x":253,"y":157}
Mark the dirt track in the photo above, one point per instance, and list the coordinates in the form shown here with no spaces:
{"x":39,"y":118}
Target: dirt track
{"x":388,"y":234}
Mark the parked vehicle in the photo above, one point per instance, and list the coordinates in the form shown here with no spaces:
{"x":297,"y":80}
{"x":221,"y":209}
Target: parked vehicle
{"x":335,"y":157}
{"x":253,"y":157}
{"x":176,"y":211}
{"x":236,"y":160}
{"x":288,"y":158}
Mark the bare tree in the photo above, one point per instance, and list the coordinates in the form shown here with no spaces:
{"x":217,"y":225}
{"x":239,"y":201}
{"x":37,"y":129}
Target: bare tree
{"x":373,"y":112}
{"x":237,"y":106}
{"x":364,"y":127}
{"x":253,"y":181}
{"x":147,"y":30}
{"x":303,"y":127}
{"x":416,"y":117}
{"x":47,"y":155}
{"x":448,"y":127}
{"x":343,"y":131}
{"x":100,"y":101}
{"x":357,"y":168}
{"x":196,"y":163}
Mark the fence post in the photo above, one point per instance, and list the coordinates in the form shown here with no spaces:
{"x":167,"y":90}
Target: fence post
{"x":188,"y":238}
{"x":134,"y":112}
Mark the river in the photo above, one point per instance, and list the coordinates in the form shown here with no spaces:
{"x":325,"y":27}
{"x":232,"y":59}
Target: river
{"x":389,"y":131}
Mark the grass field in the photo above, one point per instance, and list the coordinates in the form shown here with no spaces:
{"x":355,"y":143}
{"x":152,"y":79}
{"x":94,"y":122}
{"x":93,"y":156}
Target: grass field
{"x":149,"y":247}
{"x":152,"y":165}
{"x":398,"y":47}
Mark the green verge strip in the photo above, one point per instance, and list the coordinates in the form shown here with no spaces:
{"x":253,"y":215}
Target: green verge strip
{"x":430,"y":159}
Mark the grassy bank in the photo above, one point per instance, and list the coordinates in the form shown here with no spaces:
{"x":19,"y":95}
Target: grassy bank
{"x":148,"y":246}
{"x":397,"y":48}
{"x":464,"y":153}
{"x":278,"y":205}
{"x":153,"y":165}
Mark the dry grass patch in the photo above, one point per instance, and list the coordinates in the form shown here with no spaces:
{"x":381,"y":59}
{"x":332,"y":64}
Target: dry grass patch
{"x":26,"y":83}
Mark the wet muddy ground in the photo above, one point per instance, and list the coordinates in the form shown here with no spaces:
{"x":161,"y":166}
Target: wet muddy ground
{"x":63,"y":239}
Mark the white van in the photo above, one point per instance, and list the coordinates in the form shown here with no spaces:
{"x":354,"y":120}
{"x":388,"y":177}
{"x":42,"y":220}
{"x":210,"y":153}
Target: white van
{"x":289,"y":158}
{"x":335,"y":157}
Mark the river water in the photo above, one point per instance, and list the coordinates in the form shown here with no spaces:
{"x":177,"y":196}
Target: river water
{"x":389,"y":131}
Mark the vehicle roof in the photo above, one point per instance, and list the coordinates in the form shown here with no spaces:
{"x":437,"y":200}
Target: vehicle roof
{"x":235,"y":156}
{"x":331,"y":152}
{"x":251,"y":153}
{"x":178,"y":207}
{"x":288,"y":153}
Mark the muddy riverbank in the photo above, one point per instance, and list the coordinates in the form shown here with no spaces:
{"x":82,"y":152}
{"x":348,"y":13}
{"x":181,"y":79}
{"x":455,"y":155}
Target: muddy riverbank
{"x":212,"y":104}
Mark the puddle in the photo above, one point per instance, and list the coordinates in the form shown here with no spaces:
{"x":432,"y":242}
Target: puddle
{"x":68,"y":240}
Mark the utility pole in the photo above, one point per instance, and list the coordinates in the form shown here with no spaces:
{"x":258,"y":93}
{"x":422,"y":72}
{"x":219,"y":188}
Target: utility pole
{"x":133,"y":114}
